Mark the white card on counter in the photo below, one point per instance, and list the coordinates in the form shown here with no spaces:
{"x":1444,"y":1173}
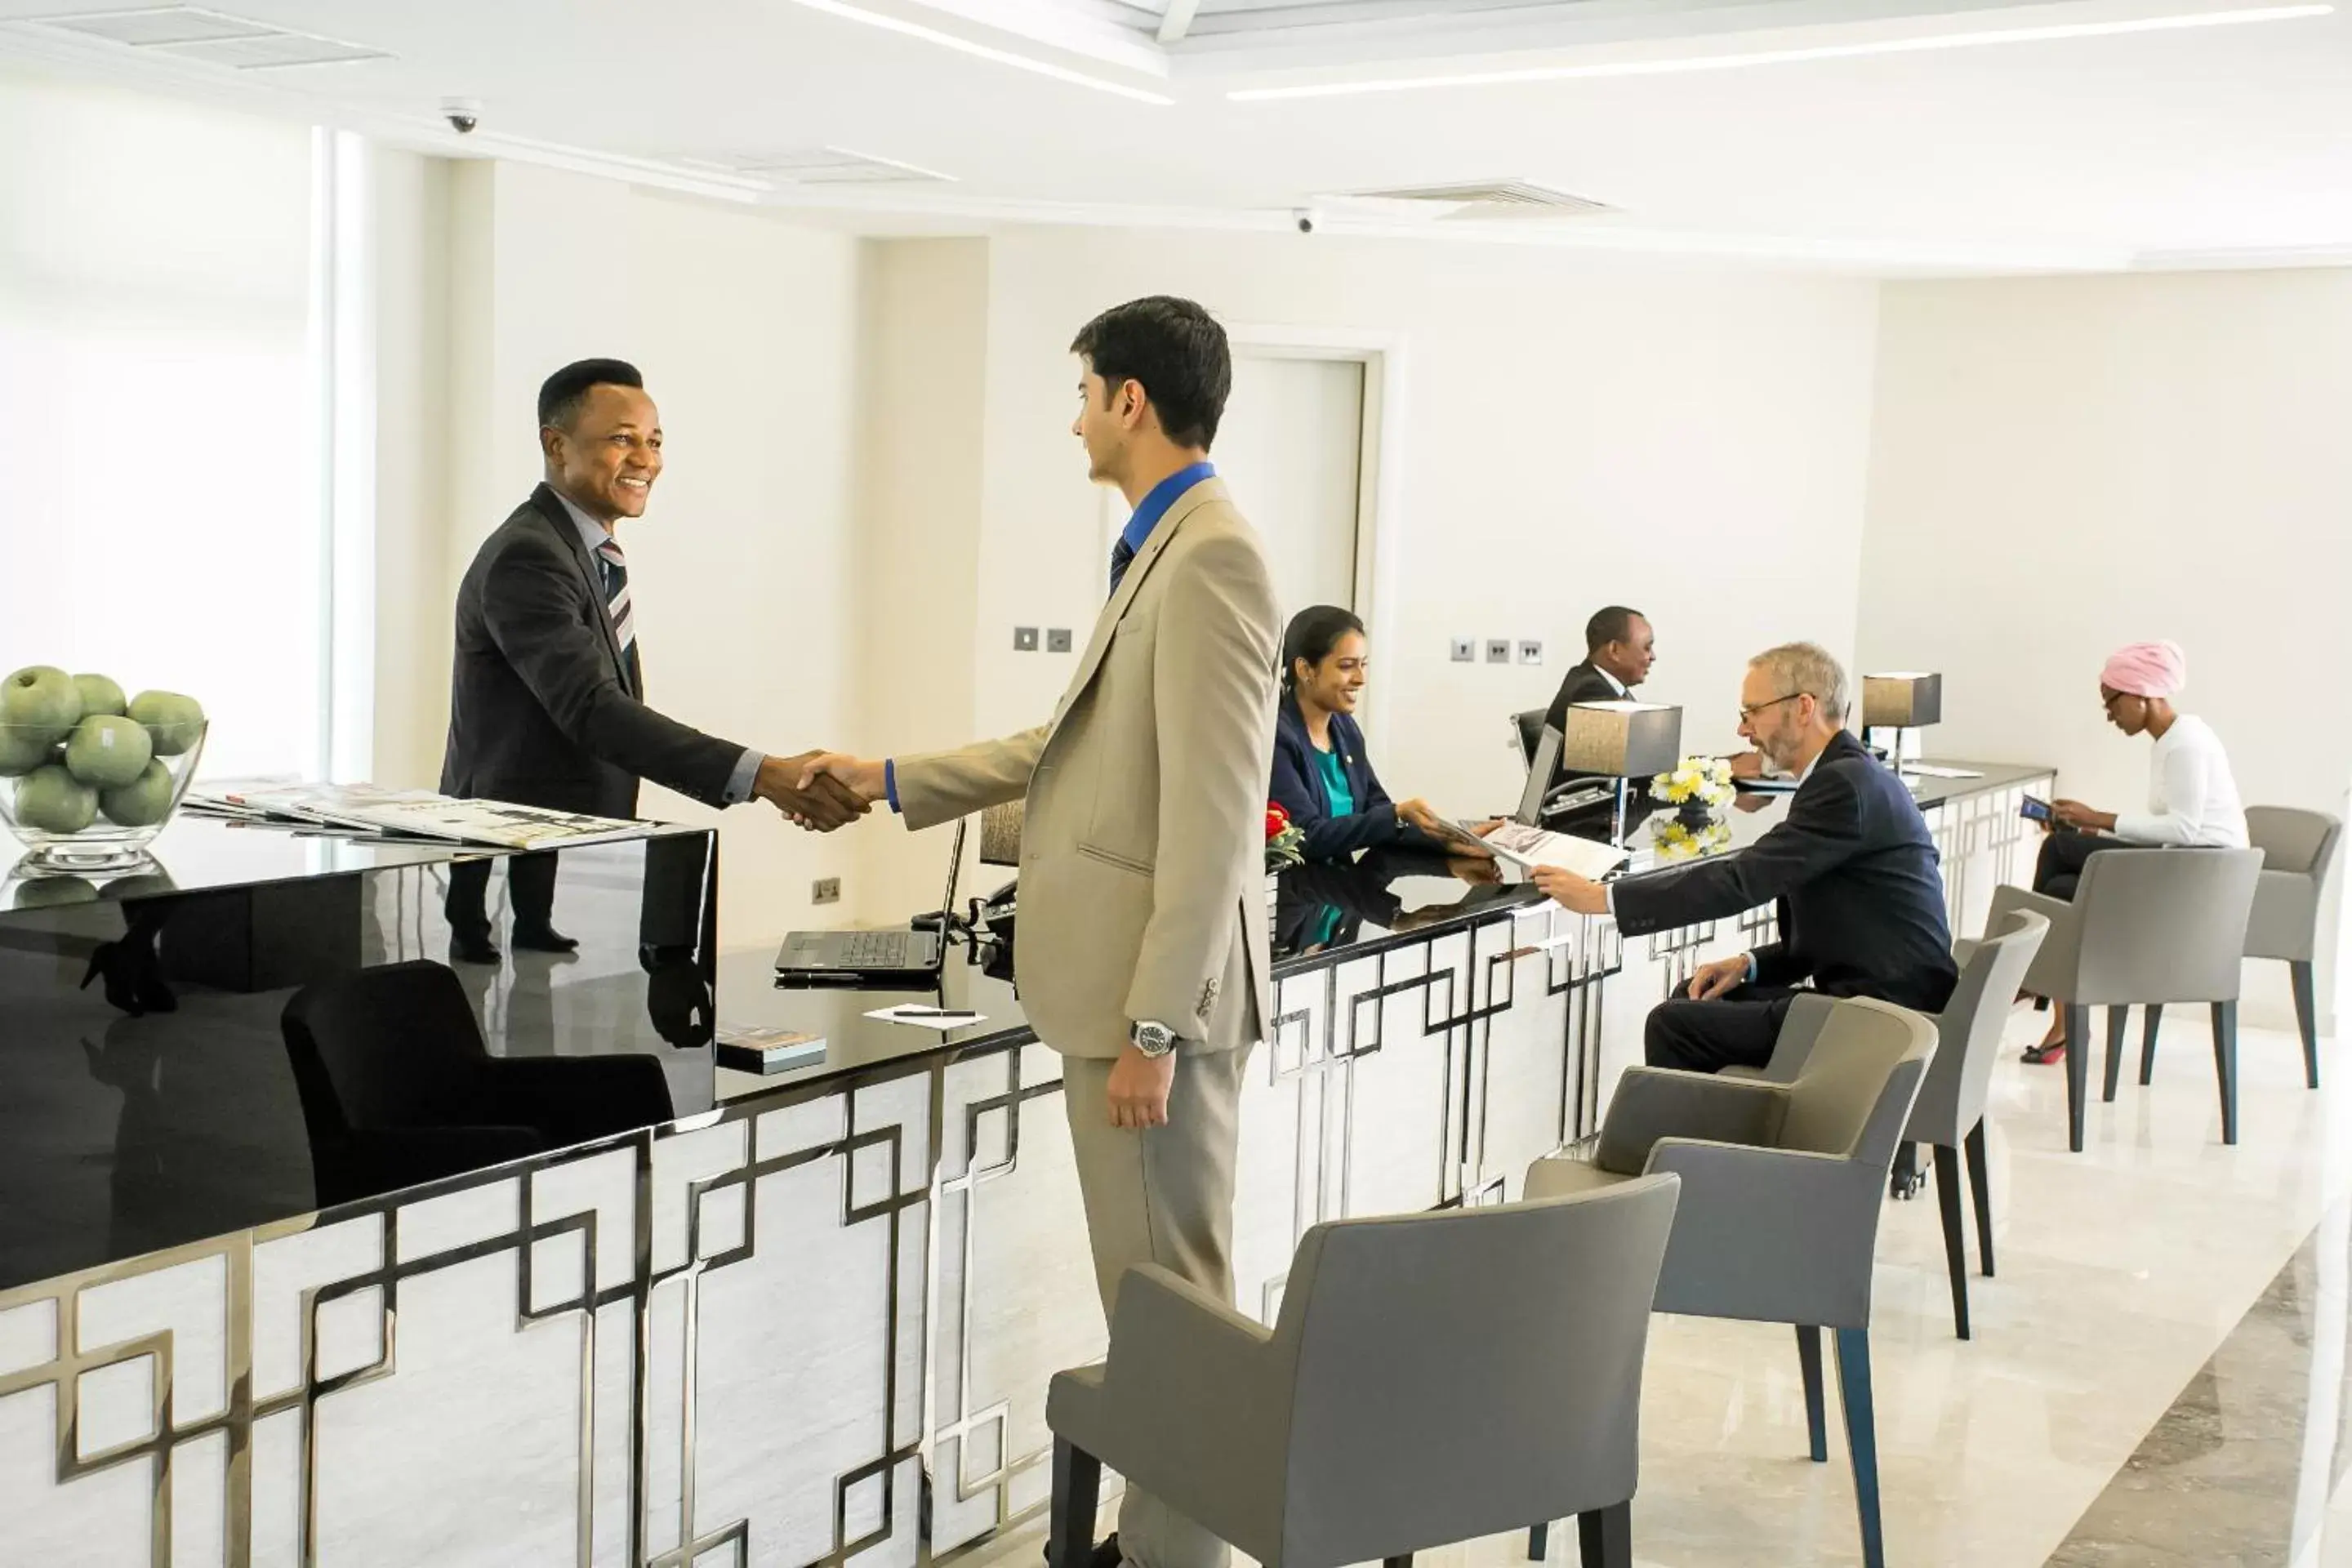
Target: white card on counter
{"x":944,"y":1020}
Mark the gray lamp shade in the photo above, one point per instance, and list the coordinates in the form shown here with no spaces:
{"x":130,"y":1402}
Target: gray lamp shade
{"x":1622,"y":740}
{"x":1903,"y":701}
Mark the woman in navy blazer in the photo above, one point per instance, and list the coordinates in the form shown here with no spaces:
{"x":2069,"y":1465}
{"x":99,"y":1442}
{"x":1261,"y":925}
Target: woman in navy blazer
{"x":1322,"y":776}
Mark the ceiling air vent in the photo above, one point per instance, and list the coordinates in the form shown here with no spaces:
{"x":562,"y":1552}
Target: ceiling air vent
{"x":822,"y":166}
{"x":193,"y":33}
{"x":1488,"y":199}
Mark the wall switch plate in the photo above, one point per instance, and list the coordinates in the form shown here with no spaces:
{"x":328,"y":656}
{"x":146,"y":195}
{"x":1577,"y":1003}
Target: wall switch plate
{"x":1498,"y":650}
{"x":1530,"y":652}
{"x":1465,"y":650}
{"x":1057,"y":639}
{"x":1025,"y":639}
{"x":826,"y":890}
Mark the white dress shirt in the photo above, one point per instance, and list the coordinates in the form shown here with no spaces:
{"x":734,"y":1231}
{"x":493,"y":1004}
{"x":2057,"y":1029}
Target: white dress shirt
{"x":595,"y":536}
{"x":2192,"y":798}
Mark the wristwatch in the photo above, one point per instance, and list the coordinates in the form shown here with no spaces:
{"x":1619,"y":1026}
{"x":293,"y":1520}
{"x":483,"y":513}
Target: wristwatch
{"x":1154,"y":1040}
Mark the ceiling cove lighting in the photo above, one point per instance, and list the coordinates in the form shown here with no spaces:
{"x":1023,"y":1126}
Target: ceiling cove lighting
{"x":981,"y":52}
{"x":1971,"y":40}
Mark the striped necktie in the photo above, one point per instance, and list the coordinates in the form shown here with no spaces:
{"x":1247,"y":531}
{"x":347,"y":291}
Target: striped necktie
{"x":616,"y":569}
{"x":1122,"y":555}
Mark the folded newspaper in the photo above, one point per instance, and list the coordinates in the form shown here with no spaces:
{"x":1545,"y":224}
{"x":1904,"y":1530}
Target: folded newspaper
{"x":408,"y":814}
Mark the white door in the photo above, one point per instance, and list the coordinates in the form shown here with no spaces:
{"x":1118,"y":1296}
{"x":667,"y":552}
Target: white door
{"x":1290,"y":448}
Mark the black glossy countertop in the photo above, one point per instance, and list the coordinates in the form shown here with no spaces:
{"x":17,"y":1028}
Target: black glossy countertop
{"x":1323,"y":914}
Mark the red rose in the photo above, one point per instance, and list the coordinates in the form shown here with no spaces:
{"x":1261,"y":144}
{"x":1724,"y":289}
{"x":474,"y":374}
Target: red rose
{"x":1277,"y":819}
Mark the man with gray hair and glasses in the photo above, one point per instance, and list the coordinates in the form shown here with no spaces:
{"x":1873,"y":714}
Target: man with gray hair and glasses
{"x":1851,"y":866}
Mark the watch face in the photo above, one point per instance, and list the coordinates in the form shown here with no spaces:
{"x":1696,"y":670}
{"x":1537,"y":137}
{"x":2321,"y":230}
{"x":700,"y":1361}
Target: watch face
{"x":1154,"y":1040}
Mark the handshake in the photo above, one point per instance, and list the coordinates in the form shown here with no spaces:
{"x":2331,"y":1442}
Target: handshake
{"x":820,"y":790}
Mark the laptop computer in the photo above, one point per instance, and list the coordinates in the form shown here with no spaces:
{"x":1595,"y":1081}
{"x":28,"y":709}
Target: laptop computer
{"x":895,"y":958}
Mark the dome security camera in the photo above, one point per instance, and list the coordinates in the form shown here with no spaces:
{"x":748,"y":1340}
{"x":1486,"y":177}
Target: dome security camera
{"x":462,"y":113}
{"x":1305,"y":218}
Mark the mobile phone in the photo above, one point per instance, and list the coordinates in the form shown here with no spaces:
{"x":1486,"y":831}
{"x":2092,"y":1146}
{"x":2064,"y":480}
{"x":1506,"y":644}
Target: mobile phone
{"x":2034,"y":810}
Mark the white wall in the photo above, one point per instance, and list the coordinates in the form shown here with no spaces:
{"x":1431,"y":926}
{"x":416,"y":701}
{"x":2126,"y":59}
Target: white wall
{"x":746,"y":330}
{"x":1572,"y":434}
{"x":157,"y":406}
{"x":2060,"y":467}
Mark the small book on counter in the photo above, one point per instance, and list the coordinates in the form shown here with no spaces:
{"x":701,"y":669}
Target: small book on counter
{"x":768,"y":1050}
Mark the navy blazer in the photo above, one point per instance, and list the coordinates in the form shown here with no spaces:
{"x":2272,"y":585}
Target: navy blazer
{"x":1855,"y":875}
{"x":1297,"y":788}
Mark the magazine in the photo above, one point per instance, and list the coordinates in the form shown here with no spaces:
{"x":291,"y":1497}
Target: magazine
{"x":409,"y":814}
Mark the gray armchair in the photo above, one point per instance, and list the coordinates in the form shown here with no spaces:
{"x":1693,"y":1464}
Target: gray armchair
{"x":2146,"y":927}
{"x":1950,"y":1113}
{"x":2298,"y":852}
{"x":1781,"y":1192}
{"x":1432,"y":1378}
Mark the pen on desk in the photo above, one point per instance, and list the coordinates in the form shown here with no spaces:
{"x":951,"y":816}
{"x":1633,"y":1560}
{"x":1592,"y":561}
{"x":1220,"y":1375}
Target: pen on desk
{"x":910,"y":1011}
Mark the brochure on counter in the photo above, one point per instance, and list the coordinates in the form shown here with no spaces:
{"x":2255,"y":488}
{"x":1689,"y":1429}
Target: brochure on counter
{"x":1517,"y":843}
{"x":408,"y":814}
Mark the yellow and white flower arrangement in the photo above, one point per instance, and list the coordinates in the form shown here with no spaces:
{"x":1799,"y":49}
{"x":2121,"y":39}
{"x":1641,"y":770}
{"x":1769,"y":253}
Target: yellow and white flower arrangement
{"x":1675,"y":839}
{"x":1695,"y":781}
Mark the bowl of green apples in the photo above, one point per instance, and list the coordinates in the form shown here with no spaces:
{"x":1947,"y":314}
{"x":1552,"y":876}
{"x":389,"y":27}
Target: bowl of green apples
{"x":89,"y":776}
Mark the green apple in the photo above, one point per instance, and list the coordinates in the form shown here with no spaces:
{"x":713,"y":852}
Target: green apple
{"x":173,"y":719}
{"x":107,"y":752}
{"x":99,"y":695}
{"x":41,"y":697}
{"x":47,"y":892}
{"x":144,"y":802}
{"x":51,"y":800}
{"x":22,"y":751}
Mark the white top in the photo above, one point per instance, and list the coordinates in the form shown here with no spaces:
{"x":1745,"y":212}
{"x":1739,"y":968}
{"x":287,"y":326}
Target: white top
{"x":2191,"y":797}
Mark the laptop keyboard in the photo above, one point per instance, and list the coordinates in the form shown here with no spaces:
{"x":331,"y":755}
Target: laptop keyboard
{"x":877,"y":950}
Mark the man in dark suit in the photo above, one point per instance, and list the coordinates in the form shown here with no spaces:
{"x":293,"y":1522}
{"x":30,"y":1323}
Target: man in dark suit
{"x":547,"y":692}
{"x":1619,"y":649}
{"x":1851,"y":865}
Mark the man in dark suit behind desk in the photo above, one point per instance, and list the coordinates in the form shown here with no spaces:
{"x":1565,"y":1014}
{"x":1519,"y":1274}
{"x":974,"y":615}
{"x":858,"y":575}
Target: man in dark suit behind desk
{"x":547,"y":691}
{"x":1619,"y":649}
{"x":1851,"y":865}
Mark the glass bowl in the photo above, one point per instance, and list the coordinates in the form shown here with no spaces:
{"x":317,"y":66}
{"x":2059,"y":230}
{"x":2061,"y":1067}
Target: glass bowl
{"x":67,"y":825}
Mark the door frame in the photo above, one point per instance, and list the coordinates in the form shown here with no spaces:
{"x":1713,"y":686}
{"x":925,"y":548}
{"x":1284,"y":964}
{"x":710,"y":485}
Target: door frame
{"x":1379,"y":463}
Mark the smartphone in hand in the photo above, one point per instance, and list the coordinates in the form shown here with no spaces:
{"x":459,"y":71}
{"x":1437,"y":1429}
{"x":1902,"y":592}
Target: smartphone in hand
{"x":2034,"y":810}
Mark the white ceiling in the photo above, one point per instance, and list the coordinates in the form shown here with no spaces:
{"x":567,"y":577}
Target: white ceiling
{"x":2225,"y":145}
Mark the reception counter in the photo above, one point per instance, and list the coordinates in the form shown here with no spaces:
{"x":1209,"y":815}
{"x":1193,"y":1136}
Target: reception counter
{"x":815,"y":1323}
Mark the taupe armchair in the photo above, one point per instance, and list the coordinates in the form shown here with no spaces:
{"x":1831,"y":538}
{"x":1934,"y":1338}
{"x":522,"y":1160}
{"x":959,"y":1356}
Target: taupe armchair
{"x":2146,"y":927}
{"x":1432,"y":1378}
{"x":1950,"y":1112}
{"x":1782,"y":1185}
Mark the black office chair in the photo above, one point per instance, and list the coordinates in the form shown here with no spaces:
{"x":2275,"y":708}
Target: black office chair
{"x":398,"y":1089}
{"x":1530,"y":727}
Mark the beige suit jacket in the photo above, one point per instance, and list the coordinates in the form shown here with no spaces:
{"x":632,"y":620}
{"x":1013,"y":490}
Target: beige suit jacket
{"x":1143,"y":842}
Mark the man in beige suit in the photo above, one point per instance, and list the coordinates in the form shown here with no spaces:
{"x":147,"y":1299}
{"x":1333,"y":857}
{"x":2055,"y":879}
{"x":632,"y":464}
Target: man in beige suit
{"x":1143,"y":954}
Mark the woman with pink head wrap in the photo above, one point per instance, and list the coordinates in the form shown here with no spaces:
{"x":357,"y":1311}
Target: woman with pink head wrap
{"x":2192,"y":796}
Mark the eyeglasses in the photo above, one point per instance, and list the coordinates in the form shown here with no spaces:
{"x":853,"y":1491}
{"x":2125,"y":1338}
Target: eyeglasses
{"x":1748,"y":712}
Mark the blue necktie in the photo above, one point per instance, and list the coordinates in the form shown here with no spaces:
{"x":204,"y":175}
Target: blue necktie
{"x":1122,"y":555}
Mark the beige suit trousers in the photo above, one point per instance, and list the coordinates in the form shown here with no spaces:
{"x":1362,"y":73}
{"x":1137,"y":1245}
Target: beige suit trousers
{"x":1166,"y":1196}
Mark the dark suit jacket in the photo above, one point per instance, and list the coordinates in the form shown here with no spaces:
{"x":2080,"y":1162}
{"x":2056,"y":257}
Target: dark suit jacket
{"x":1583,"y":683}
{"x":543,"y":709}
{"x":1297,"y":788}
{"x":1854,"y":871}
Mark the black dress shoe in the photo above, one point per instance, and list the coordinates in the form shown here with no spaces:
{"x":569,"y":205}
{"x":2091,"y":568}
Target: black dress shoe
{"x":134,"y":980}
{"x":472,"y":949}
{"x":1105,"y":1554}
{"x":544,"y":939}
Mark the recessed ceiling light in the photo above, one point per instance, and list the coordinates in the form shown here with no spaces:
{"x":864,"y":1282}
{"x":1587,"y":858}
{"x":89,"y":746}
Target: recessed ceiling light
{"x":1969,"y":40}
{"x":889,"y":24}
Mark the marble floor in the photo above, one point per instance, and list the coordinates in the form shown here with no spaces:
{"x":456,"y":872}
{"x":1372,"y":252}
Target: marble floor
{"x":2159,"y":1375}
